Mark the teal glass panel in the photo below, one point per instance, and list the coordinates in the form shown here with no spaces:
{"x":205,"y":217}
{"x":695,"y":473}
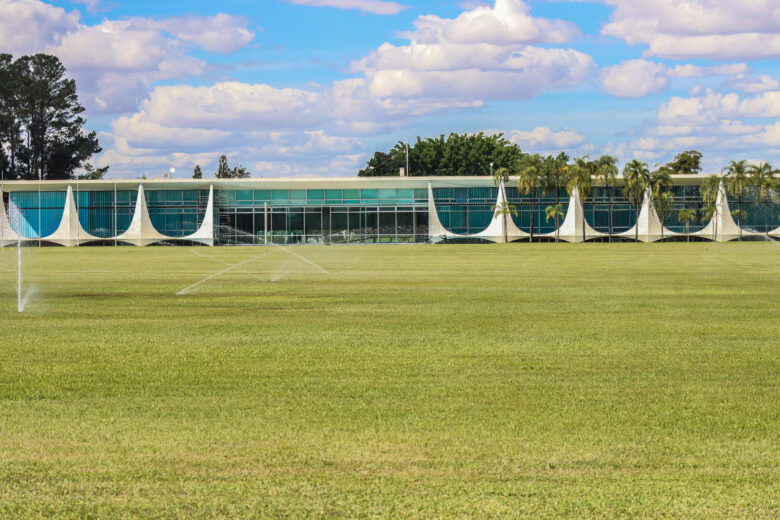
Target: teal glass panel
{"x":387,"y":196}
{"x":36,"y":215}
{"x":97,"y":212}
{"x":420,"y":195}
{"x":263,"y":195}
{"x":315,"y":196}
{"x":351,"y":196}
{"x":368,"y":196}
{"x":244,"y":199}
{"x":177,"y":213}
{"x":280,"y":196}
{"x":405,"y":196}
{"x":482,"y":195}
{"x":297,"y":196}
{"x":333,"y":196}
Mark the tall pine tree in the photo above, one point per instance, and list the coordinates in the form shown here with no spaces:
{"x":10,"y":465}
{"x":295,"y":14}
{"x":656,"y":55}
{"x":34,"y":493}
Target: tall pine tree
{"x":41,"y":126}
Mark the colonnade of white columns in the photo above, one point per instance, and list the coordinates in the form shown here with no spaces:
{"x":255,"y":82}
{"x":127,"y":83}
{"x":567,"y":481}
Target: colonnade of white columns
{"x":141,"y":231}
{"x":720,"y":228}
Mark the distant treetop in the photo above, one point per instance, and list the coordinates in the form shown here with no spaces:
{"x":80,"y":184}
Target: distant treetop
{"x":457,"y":154}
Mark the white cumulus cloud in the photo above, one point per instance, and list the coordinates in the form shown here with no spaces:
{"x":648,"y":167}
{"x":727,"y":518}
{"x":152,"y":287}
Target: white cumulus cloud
{"x":543,"y":139}
{"x":639,"y":78}
{"x":699,"y":29}
{"x":116,"y":61}
{"x":484,"y":54}
{"x":634,"y":78}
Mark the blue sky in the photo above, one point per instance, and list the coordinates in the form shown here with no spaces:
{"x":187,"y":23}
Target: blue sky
{"x":313,"y":87}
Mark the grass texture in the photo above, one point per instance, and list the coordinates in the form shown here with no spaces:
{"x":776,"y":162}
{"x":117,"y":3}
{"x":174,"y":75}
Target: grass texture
{"x":497,"y":381}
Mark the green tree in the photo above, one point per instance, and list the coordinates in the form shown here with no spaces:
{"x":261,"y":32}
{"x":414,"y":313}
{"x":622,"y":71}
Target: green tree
{"x":606,"y":173}
{"x":637,"y":178}
{"x":662,"y":198}
{"x":455,"y":155}
{"x":763,"y":182}
{"x":554,"y":212}
{"x":239,"y":172}
{"x":528,"y":181}
{"x":737,"y":183}
{"x":555,"y":172}
{"x":686,"y":163}
{"x":709,"y":195}
{"x":686,"y":216}
{"x":500,"y":177}
{"x":385,"y":164}
{"x":93,"y":174}
{"x":197,"y":173}
{"x":503,"y":210}
{"x":225,"y":172}
{"x":41,"y":125}
{"x":10,"y":125}
{"x":580,"y":178}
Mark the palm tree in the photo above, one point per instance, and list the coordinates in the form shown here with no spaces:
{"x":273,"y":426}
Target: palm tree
{"x":637,"y":176}
{"x":555,"y":170}
{"x":499,"y":179}
{"x":553,"y":212}
{"x":500,"y":176}
{"x":687,"y":215}
{"x":503,"y":210}
{"x":737,"y":182}
{"x":663,"y":203}
{"x":663,"y":200}
{"x":709,"y":195}
{"x":606,"y":172}
{"x":529,"y":180}
{"x":762,"y":177}
{"x":580,"y":178}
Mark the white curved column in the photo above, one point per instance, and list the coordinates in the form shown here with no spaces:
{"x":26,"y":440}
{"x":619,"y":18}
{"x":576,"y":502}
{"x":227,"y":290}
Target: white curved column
{"x":721,"y":227}
{"x":495,"y":230}
{"x":205,"y":233}
{"x":7,"y":234}
{"x":650,"y":227}
{"x":70,"y":233}
{"x":570,"y":229}
{"x":435,"y":228}
{"x":141,"y":231}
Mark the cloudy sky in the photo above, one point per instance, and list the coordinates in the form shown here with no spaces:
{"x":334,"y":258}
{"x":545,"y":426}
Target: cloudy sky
{"x":313,"y":87}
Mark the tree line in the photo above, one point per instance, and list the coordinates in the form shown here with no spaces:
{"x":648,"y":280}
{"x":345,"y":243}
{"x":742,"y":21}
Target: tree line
{"x":553,"y":173}
{"x":474,"y":154}
{"x":224,"y":171}
{"x":42,"y":133}
{"x":457,"y":154}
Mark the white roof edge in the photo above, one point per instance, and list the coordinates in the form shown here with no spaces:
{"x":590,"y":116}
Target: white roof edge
{"x":187,"y":183}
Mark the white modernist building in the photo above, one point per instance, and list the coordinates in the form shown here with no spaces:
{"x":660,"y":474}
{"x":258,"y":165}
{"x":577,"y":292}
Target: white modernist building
{"x":354,"y":210}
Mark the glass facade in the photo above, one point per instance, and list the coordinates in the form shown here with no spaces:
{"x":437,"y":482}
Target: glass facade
{"x":322,"y":216}
{"x":360,"y":212}
{"x":35,"y":214}
{"x":760,"y":211}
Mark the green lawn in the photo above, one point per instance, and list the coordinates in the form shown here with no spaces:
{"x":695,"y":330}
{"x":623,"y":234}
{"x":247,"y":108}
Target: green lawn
{"x":501,"y":381}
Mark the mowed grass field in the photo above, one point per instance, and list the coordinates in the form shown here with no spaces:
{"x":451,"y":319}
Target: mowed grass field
{"x":501,"y":381}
